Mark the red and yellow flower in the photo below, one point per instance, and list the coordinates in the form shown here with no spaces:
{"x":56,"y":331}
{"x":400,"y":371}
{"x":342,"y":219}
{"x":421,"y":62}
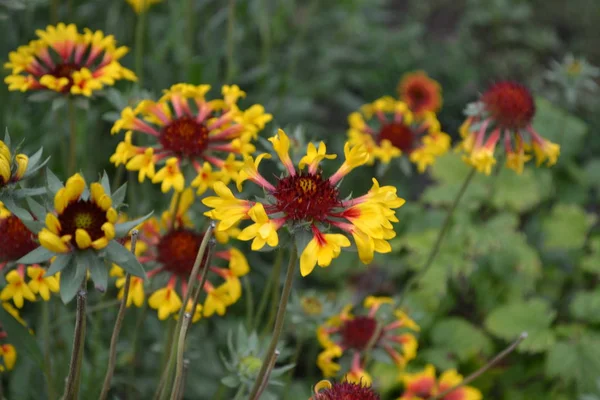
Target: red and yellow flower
{"x":504,"y":113}
{"x":168,"y":248}
{"x":423,"y":385}
{"x":325,"y":390}
{"x":358,"y":334}
{"x":210,"y":135}
{"x":421,"y":93}
{"x":307,"y":203}
{"x":387,"y":128}
{"x":66,"y":61}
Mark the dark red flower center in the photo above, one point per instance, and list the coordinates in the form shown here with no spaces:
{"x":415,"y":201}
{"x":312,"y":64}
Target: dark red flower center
{"x":177,"y":250}
{"x":16,"y":240}
{"x":400,"y":135}
{"x":418,"y":97}
{"x":347,"y":391}
{"x":65,"y":70}
{"x":306,"y":197}
{"x":185,"y":137}
{"x":357,"y":332}
{"x":84,"y":215}
{"x":510,"y":105}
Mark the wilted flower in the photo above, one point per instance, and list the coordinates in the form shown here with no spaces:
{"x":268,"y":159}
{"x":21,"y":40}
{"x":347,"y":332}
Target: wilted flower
{"x":66,"y":61}
{"x":169,"y":247}
{"x":505,"y":111}
{"x":423,"y":385}
{"x":325,"y":390}
{"x":346,"y":333}
{"x":140,"y":6}
{"x":187,"y":128}
{"x":387,"y":128}
{"x":420,"y":92}
{"x":310,"y":206}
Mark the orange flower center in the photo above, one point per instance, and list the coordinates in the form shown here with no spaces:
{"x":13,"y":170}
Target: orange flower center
{"x":177,"y":251}
{"x":357,"y":332}
{"x":185,"y":137}
{"x":510,"y":105}
{"x":400,"y":135}
{"x":84,"y":215}
{"x":16,"y":240}
{"x":306,"y":197}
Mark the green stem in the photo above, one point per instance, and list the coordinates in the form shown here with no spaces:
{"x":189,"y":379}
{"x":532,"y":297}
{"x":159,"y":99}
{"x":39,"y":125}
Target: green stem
{"x":230,"y":41}
{"x":273,"y":277}
{"x":134,"y":349}
{"x":174,"y":216}
{"x":72,"y":161}
{"x":47,"y":359}
{"x":274,"y":298}
{"x":140,"y":30}
{"x":285,"y":295}
{"x":112,"y":352}
{"x":219,"y":392}
{"x":438,"y":242}
{"x":240,"y":393}
{"x":72,"y":382}
{"x":249,"y":301}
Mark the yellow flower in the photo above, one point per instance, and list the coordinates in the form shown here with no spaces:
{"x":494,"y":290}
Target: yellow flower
{"x":546,"y":150}
{"x":9,"y":355}
{"x":16,"y":289}
{"x":423,"y":384}
{"x":325,"y":361}
{"x":314,"y":156}
{"x":40,"y":283}
{"x":355,"y":157}
{"x":226,"y":208}
{"x":144,"y":163}
{"x":166,"y":301}
{"x":238,"y":263}
{"x":66,"y":61}
{"x":359,"y":375}
{"x":516,"y":161}
{"x":217,"y":300}
{"x":170,"y":176}
{"x":483,"y":160}
{"x":281,"y":145}
{"x":263,"y":231}
{"x":321,"y":250}
{"x":136,"y":291}
{"x":140,"y":6}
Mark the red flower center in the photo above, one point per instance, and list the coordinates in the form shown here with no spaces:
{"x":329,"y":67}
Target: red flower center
{"x":400,"y":135}
{"x":177,"y":250}
{"x":16,"y":240}
{"x":84,"y":215}
{"x":185,"y":137}
{"x":65,"y":70}
{"x":306,"y":197}
{"x":418,"y":97}
{"x":510,"y":105}
{"x":347,"y":391}
{"x":357,"y":332}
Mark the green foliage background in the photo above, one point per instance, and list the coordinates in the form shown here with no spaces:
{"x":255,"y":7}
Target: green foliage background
{"x":522,"y":255}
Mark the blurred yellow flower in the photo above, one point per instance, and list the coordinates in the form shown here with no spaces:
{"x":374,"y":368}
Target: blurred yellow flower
{"x":140,"y":6}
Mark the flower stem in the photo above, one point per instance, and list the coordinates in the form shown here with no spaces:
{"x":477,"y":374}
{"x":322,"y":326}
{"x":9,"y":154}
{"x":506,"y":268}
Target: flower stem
{"x":230,"y":41}
{"x":483,"y":369}
{"x":47,"y":358}
{"x":72,"y":161}
{"x":438,"y":242}
{"x":112,"y":353}
{"x":273,"y":277}
{"x":265,"y":381}
{"x":274,"y":297}
{"x":249,"y":301}
{"x":72,"y":382}
{"x":140,"y":30}
{"x":279,"y":320}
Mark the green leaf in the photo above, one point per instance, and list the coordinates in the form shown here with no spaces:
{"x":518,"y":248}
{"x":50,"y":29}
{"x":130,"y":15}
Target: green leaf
{"x":71,"y":278}
{"x":301,"y":238}
{"x":122,"y":230}
{"x":60,"y":262}
{"x":586,"y":306}
{"x":461,"y":338}
{"x":105,"y":182}
{"x":520,"y":192}
{"x":37,"y":209}
{"x":54,"y":184}
{"x":533,"y":316}
{"x":41,"y":254}
{"x":118,"y":197}
{"x":34,"y":226}
{"x":98,"y":269}
{"x":566,"y":227}
{"x":575,"y":361}
{"x":124,"y":259}
{"x":591,"y":262}
{"x":20,"y":337}
{"x":592,"y":173}
{"x":20,"y":212}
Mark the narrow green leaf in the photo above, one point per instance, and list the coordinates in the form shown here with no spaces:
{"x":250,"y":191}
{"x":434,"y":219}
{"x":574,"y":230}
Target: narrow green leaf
{"x":124,"y":259}
{"x":118,"y":197}
{"x":20,"y":337}
{"x":37,"y":209}
{"x":301,"y":238}
{"x":54,"y":184}
{"x":70,"y":280}
{"x":34,"y":226}
{"x":24,"y":193}
{"x":122,"y":230}
{"x":105,"y":182}
{"x":38,"y":255}
{"x":97,"y":268}
{"x":60,"y":262}
{"x":20,"y":212}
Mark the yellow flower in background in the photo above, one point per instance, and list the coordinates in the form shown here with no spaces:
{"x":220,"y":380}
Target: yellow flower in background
{"x":16,"y":289}
{"x":305,"y":200}
{"x":421,"y":93}
{"x":66,"y":61}
{"x":9,"y":356}
{"x":388,"y":128}
{"x":40,"y":284}
{"x":211,"y":136}
{"x":504,"y":113}
{"x":79,"y":222}
{"x":355,"y":335}
{"x":12,"y":166}
{"x":168,"y":248}
{"x":140,"y":6}
{"x":423,"y":385}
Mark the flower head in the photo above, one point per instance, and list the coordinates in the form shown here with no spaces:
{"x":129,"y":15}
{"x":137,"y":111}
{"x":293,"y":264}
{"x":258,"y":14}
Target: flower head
{"x":388,"y":128}
{"x":16,"y":167}
{"x":210,"y":135}
{"x":140,"y":6}
{"x":420,"y":92}
{"x":17,"y":239}
{"x":504,"y":113}
{"x":307,"y":204}
{"x":423,"y":385}
{"x":66,"y":61}
{"x":169,"y":250}
{"x":346,"y":390}
{"x":388,"y":330}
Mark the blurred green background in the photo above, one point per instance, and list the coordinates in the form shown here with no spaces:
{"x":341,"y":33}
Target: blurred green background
{"x":524,"y":253}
